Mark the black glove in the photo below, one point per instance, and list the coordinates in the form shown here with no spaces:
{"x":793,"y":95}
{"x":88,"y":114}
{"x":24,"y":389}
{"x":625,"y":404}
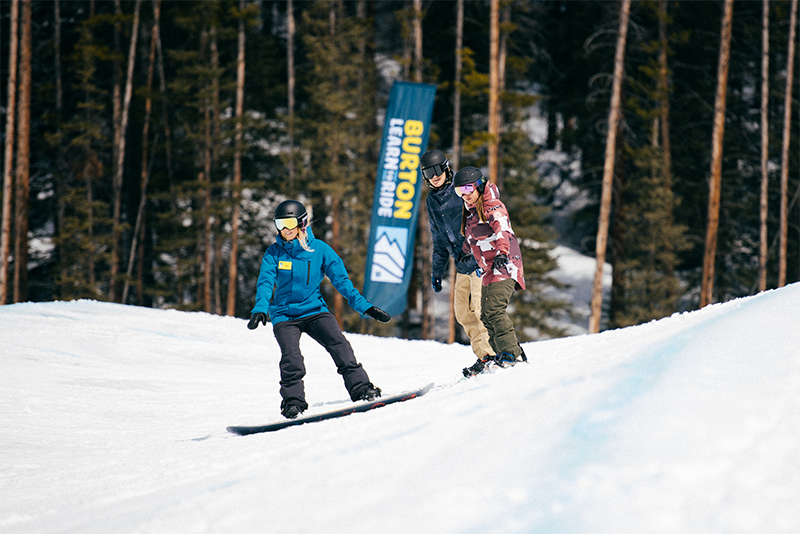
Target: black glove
{"x":255,"y":319}
{"x":464,"y":257}
{"x":500,"y":261}
{"x":436,"y":282}
{"x":378,"y":314}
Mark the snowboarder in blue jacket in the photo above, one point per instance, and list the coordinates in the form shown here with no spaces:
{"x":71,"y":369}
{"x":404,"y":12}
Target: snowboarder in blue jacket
{"x":292,"y":270}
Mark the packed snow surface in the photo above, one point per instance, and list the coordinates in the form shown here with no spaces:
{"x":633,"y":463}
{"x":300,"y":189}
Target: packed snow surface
{"x":113,"y":421}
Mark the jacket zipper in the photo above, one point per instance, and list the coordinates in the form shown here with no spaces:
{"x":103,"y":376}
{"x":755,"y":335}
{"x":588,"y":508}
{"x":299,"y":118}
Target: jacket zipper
{"x":308,"y":273}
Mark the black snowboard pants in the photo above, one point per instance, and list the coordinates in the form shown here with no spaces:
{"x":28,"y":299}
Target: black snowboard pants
{"x":323,"y":329}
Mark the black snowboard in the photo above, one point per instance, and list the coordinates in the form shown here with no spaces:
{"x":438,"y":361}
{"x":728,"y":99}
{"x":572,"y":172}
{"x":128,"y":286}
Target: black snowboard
{"x":353,"y":408}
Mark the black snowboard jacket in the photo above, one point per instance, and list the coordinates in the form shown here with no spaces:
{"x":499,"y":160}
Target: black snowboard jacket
{"x":444,"y":217}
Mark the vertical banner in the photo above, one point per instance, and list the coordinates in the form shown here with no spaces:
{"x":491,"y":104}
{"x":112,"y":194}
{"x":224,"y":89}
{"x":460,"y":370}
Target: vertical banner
{"x":398,"y":191}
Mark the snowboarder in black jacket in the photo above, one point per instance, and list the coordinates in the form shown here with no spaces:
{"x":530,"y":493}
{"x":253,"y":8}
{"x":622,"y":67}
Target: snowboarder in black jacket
{"x":444,"y":216}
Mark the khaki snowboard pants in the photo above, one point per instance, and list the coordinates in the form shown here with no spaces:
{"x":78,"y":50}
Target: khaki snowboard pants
{"x":467,"y":306}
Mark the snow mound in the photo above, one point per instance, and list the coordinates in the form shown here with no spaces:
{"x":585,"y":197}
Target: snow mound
{"x":114,"y":421}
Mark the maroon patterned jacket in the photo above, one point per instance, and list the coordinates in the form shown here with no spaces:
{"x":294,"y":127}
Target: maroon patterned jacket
{"x":486,"y":240}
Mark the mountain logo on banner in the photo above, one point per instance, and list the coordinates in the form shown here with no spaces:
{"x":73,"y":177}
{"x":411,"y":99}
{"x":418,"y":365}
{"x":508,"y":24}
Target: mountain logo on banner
{"x":389,"y":255}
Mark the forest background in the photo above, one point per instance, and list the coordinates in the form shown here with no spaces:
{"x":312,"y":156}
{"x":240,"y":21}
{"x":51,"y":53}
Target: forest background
{"x":147,"y":143}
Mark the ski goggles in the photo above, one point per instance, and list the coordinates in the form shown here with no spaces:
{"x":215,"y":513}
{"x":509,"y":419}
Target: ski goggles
{"x":430,"y":173}
{"x":468,"y":189}
{"x":288,"y":222}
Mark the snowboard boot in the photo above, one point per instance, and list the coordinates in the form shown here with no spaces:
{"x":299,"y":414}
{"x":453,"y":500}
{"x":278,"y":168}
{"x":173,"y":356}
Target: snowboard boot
{"x":369,"y":393}
{"x":506,"y":359}
{"x":291,"y":411}
{"x":483,"y":365}
{"x":474,"y":369}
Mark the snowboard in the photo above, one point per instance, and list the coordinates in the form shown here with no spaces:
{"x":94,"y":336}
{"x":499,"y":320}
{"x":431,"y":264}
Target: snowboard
{"x":354,"y":408}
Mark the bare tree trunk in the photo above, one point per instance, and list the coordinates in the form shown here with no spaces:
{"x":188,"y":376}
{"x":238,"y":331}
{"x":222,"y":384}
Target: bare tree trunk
{"x":203,"y":198}
{"x":663,"y":79}
{"x":165,"y":121}
{"x":215,"y":121}
{"x":361,"y":15}
{"x":505,"y":21}
{"x":87,"y":168}
{"x":8,"y":164}
{"x":139,"y":228}
{"x":23,"y":157}
{"x":787,"y":122}
{"x":154,"y":42}
{"x":407,"y":52}
{"x":426,"y":265}
{"x":215,"y":149}
{"x":116,"y":100}
{"x":218,"y":240}
{"x":92,"y":169}
{"x":664,"y":123}
{"x":57,"y":57}
{"x":61,"y":174}
{"x":494,"y":89}
{"x":764,"y":203}
{"x":614,"y":114}
{"x":163,"y":88}
{"x":417,"y":37}
{"x":290,"y":30}
{"x":120,"y":157}
{"x":237,"y":166}
{"x":618,"y":228}
{"x":455,"y":160}
{"x":338,"y":301}
{"x":205,"y":181}
{"x":336,"y":216}
{"x":707,"y":289}
{"x":428,"y":318}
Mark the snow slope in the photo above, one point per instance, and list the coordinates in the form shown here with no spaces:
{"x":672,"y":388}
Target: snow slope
{"x":114,"y":420}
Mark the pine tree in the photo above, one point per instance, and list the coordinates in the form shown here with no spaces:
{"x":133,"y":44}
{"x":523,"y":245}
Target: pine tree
{"x":200,"y":88}
{"x":646,"y":287}
{"x":120,"y":146}
{"x":537,"y":310}
{"x":84,"y":237}
{"x":338,"y":133}
{"x":652,"y":243}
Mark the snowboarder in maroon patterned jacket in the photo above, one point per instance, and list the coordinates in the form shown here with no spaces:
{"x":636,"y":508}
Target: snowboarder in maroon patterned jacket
{"x":489,"y":236}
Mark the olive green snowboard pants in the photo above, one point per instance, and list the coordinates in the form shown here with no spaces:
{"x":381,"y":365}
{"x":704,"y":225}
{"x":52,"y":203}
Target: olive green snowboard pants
{"x":494,"y":314}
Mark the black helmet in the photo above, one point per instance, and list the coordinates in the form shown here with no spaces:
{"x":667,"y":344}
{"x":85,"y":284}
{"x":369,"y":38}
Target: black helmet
{"x":433,"y":163}
{"x":467,"y":176}
{"x":292,"y":209}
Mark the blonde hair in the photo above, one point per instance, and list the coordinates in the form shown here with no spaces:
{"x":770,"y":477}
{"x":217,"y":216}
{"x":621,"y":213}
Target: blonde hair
{"x":465,"y":212}
{"x":302,"y":237}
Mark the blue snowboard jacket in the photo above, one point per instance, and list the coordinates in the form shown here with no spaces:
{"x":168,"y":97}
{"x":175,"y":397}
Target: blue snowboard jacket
{"x":444,"y":217}
{"x":288,"y":284}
